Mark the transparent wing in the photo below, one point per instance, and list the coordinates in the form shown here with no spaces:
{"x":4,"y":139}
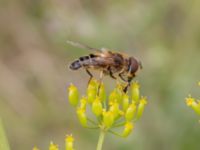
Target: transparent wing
{"x":83,"y":46}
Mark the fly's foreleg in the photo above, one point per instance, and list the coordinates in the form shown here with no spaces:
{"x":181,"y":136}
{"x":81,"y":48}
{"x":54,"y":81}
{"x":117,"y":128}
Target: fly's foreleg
{"x":90,"y":74}
{"x":122,"y":78}
{"x":128,"y":84}
{"x":100,"y":82}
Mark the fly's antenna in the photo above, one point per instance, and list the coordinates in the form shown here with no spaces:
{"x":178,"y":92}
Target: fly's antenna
{"x":83,"y":46}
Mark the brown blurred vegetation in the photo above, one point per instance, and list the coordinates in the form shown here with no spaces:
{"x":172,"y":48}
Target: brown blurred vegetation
{"x":164,"y":35}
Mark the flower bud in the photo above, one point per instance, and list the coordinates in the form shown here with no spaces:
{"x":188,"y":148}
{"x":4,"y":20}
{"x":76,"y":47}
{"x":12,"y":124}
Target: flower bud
{"x":125,"y":102}
{"x":91,"y":96}
{"x":193,"y":104}
{"x":102,"y":93}
{"x":93,"y":85}
{"x":108,"y":119}
{"x":82,"y":116}
{"x":119,"y":93}
{"x":97,"y":107}
{"x":112,"y":97}
{"x":130,"y":112}
{"x":141,"y":106}
{"x":69,"y":142}
{"x":73,"y":95}
{"x":35,"y":148}
{"x":114,"y":108}
{"x":92,"y":90}
{"x":135,"y":91}
{"x":83,"y":103}
{"x":115,"y":96}
{"x":53,"y":146}
{"x":121,"y":113}
{"x":128,"y":127}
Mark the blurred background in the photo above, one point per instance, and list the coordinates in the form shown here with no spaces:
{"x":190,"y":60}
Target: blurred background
{"x":34,"y":74}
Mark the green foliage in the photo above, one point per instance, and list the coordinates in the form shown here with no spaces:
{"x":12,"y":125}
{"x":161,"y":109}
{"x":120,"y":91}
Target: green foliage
{"x":3,"y":139}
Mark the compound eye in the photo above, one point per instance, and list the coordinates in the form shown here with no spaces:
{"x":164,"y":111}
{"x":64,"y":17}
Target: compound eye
{"x":133,"y":65}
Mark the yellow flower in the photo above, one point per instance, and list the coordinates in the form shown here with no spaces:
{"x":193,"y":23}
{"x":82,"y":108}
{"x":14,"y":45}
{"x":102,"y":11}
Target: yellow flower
{"x":112,"y":97}
{"x":128,"y":127}
{"x":108,"y":119}
{"x":199,"y":83}
{"x":35,"y":148}
{"x":193,"y":104}
{"x":121,"y":113}
{"x":114,"y":108}
{"x":190,"y":100}
{"x":109,"y":113}
{"x":92,"y":90}
{"x":135,"y":91}
{"x":116,"y":95}
{"x":53,"y":146}
{"x":69,"y":142}
{"x":130,"y":112}
{"x":73,"y":95}
{"x":97,"y":107}
{"x":82,"y":116}
{"x":141,"y":107}
{"x":102,"y":93}
{"x":83,"y":103}
{"x":125,"y":102}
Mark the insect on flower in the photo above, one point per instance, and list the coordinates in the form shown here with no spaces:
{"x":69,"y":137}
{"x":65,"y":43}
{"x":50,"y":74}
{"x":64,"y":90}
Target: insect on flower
{"x":108,"y":63}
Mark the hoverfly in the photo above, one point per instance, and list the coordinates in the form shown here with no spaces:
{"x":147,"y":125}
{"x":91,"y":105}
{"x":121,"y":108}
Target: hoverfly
{"x":108,"y":63}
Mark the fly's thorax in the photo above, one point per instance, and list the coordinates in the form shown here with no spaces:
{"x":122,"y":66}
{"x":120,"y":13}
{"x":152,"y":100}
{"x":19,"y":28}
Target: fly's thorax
{"x":118,"y":59}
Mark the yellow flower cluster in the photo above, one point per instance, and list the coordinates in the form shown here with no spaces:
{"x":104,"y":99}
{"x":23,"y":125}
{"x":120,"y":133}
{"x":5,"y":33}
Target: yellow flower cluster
{"x":117,"y":109}
{"x":193,"y":103}
{"x":69,"y":141}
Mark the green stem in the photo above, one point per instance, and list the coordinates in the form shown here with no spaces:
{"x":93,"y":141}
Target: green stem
{"x":118,"y":125}
{"x":117,"y":134}
{"x":89,"y":127}
{"x":91,"y":121}
{"x":101,"y":139}
{"x":3,"y":140}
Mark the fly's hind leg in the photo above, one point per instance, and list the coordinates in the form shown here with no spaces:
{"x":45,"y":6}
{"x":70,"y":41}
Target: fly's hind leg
{"x":90,"y":74}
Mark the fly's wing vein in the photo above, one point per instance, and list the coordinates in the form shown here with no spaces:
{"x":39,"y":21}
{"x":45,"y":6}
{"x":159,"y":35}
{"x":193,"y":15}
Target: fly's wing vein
{"x":83,"y":46}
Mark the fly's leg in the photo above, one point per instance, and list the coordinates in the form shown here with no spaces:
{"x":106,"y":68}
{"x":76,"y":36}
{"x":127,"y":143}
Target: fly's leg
{"x":111,"y":73}
{"x":128,"y":84}
{"x":128,"y":81}
{"x":122,"y":78}
{"x":100,"y":82}
{"x":90,"y":74}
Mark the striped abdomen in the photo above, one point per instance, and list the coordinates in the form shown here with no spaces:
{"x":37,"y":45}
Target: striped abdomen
{"x":84,"y":61}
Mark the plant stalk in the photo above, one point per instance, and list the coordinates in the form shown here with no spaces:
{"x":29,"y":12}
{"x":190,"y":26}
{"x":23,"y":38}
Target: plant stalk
{"x":101,"y":140}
